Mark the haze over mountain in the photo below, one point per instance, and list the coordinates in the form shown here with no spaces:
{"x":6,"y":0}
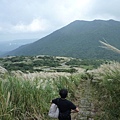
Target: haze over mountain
{"x":6,"y":46}
{"x":79,"y":39}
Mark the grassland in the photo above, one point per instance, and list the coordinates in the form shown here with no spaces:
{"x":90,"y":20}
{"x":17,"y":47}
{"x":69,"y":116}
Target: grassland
{"x":26,"y":95}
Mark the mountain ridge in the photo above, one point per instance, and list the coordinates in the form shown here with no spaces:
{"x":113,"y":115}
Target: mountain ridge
{"x":79,"y":39}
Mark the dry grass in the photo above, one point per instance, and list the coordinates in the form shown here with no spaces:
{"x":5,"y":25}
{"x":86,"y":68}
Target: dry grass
{"x":109,"y":47}
{"x":111,"y":67}
{"x":106,"y":82}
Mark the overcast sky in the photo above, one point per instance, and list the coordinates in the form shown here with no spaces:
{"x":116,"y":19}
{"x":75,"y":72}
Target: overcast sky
{"x":27,"y":19}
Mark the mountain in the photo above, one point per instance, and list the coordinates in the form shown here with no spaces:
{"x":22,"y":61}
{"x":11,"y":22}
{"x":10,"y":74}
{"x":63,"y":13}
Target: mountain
{"x":6,"y":46}
{"x":79,"y":39}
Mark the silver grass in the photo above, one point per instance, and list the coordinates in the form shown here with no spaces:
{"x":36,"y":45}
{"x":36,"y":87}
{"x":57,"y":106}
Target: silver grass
{"x":109,"y":47}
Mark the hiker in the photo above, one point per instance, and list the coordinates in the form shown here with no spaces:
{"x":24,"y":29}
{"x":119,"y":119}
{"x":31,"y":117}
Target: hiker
{"x":65,"y":106}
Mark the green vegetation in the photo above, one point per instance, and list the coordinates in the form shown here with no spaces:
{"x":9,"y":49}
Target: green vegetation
{"x":28,"y":95}
{"x":70,"y":70}
{"x":29,"y":64}
{"x":25,"y":99}
{"x":106,"y":85}
{"x":47,"y":63}
{"x":86,"y":63}
{"x":79,"y":39}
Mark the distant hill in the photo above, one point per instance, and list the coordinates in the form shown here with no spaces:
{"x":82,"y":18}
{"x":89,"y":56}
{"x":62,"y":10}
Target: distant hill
{"x":6,"y":46}
{"x":79,"y":39}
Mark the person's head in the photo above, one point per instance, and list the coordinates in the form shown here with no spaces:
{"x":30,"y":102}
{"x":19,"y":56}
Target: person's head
{"x":63,"y":93}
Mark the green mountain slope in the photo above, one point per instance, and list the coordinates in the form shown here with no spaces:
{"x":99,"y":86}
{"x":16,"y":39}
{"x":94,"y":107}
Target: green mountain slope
{"x":78,"y":39}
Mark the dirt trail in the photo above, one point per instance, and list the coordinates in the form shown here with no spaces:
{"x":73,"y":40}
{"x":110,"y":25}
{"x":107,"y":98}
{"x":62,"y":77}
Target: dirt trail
{"x":85,"y":102}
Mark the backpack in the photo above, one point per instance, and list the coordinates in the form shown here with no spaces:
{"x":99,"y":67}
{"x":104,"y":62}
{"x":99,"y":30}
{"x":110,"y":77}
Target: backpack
{"x":53,"y":111}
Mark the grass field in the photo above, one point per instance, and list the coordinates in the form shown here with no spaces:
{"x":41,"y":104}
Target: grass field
{"x":27,"y":96}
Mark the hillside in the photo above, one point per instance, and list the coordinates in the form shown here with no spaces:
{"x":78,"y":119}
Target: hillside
{"x":79,"y":39}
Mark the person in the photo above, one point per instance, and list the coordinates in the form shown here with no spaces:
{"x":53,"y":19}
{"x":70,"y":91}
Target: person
{"x":65,"y":106}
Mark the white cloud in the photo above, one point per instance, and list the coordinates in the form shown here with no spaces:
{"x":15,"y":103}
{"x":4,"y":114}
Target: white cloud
{"x":0,"y":28}
{"x":65,"y":11}
{"x":107,"y":9}
{"x":35,"y":26}
{"x":40,"y":17}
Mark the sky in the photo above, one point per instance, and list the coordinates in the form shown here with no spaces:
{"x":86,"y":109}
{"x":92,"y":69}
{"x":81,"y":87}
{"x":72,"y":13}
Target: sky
{"x":29,"y":19}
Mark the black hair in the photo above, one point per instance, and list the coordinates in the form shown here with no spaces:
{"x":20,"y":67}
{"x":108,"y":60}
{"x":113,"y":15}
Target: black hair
{"x":63,"y":93}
